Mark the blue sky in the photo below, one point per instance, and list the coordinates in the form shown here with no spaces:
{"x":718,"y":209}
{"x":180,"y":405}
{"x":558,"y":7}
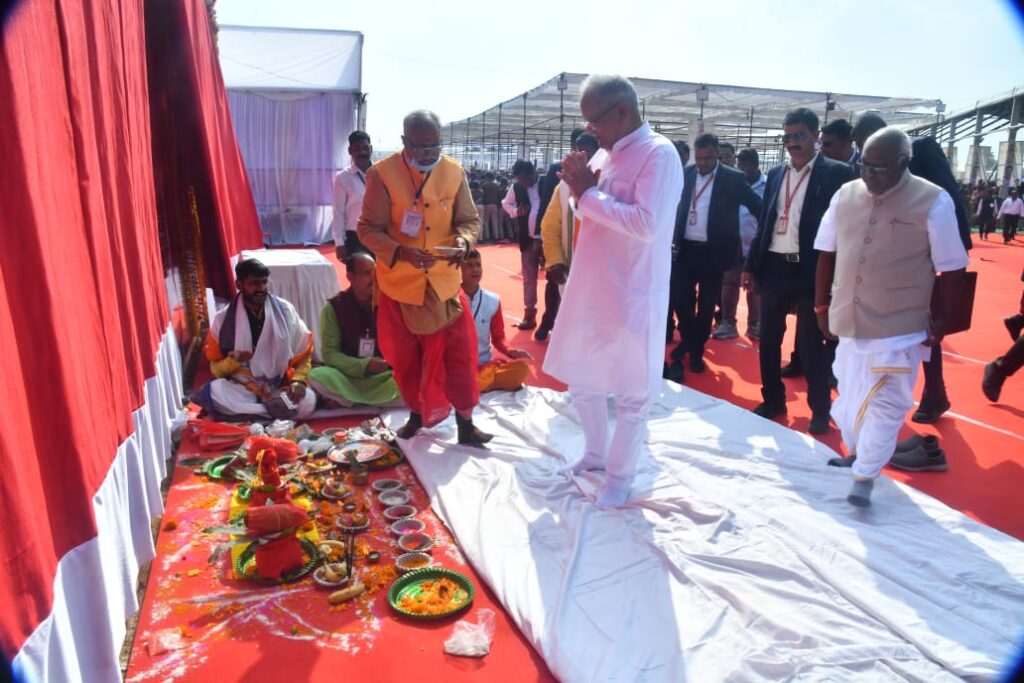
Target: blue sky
{"x":459,"y":57}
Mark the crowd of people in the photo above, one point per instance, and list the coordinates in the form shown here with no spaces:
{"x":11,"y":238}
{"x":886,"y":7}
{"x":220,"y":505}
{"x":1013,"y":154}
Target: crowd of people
{"x":637,"y":244}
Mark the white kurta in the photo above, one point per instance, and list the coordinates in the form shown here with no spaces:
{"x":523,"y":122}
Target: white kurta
{"x":610,"y":332}
{"x":877,"y":376}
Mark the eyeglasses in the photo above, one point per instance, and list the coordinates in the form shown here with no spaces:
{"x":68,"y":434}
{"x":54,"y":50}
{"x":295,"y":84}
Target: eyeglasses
{"x":593,"y":121}
{"x":795,"y":137}
{"x":879,"y":168}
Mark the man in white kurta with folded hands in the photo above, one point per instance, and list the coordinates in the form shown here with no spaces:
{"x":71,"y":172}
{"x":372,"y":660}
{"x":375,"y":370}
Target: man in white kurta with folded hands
{"x":609,"y":338}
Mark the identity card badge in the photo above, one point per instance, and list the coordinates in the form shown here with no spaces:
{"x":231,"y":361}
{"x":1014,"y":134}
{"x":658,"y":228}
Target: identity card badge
{"x":411,"y":223}
{"x":366,"y":347}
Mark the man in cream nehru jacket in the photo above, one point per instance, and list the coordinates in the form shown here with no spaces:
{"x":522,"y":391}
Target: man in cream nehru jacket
{"x":882,"y":240}
{"x":609,"y":335}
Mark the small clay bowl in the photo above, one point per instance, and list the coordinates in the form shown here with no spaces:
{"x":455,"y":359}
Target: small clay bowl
{"x":415,"y":542}
{"x":412,"y":561}
{"x":318,"y":577}
{"x":392,"y":498}
{"x":406,"y":525}
{"x":373,"y":557}
{"x":385,"y":484}
{"x":396,"y":512}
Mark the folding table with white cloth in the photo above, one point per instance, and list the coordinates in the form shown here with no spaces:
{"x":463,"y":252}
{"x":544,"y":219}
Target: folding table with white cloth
{"x":303,"y":277}
{"x":738,"y":557}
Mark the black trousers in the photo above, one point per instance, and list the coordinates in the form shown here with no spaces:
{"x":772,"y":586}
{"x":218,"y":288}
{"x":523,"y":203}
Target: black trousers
{"x":1010,"y":227}
{"x":696,"y":287}
{"x":552,"y":300}
{"x":781,"y":286}
{"x":934,"y":392}
{"x":352,"y":243}
{"x":1014,"y":358}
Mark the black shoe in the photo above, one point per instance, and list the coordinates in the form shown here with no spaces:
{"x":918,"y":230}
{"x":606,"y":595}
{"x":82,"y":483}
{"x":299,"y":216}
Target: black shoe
{"x":928,"y":414}
{"x":697,"y":364}
{"x":819,"y":424}
{"x":678,"y":352}
{"x":789,"y":371}
{"x":673,"y":372}
{"x":992,"y":381}
{"x":542,"y":333}
{"x":470,"y":435}
{"x":770,"y":409}
{"x":1014,"y":324}
{"x":929,"y":442}
{"x":842,"y":462}
{"x":920,"y":460}
{"x":411,"y":426}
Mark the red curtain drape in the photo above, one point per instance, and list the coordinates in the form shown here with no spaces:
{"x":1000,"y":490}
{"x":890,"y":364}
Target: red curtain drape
{"x":196,"y":150}
{"x":83,"y":305}
{"x":82,"y":299}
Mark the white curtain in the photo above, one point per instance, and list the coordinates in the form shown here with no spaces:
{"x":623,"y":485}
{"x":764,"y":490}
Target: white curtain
{"x":94,"y":589}
{"x":293,"y":145}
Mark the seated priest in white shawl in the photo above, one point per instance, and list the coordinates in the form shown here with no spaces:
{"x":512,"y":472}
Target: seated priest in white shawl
{"x":260,"y":352}
{"x":609,"y":337}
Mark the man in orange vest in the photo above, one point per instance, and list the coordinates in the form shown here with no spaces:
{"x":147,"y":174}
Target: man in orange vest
{"x":419,"y":219}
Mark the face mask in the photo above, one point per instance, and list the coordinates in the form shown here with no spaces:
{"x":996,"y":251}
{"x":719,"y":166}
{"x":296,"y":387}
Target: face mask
{"x":425,"y":168}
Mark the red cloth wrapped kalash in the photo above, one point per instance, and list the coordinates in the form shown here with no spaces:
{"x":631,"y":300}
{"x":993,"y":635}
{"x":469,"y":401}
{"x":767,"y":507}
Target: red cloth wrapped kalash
{"x":282,"y":555}
{"x":271,"y":510}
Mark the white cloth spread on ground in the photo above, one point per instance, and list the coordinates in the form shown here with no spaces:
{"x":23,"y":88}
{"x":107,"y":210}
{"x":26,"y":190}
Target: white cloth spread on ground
{"x":738,"y":559}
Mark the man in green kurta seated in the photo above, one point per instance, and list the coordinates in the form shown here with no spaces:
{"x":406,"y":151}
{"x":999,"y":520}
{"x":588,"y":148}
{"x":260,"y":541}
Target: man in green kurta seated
{"x":353,"y":371}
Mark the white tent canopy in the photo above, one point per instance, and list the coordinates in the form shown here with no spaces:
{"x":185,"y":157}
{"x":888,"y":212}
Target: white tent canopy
{"x":291,"y":59}
{"x":295,"y":95}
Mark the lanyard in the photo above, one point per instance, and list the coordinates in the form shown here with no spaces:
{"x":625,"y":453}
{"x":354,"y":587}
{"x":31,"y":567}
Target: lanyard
{"x":693,"y":201}
{"x":412,"y":179}
{"x":789,"y":195}
{"x":359,"y":174}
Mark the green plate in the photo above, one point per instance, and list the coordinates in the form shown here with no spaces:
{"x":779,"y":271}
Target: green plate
{"x":246,"y":564}
{"x":411,"y":584}
{"x":215,"y":468}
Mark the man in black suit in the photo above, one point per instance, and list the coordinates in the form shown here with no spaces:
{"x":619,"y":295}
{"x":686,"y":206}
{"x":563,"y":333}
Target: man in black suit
{"x":707,"y":238}
{"x":782,"y":261}
{"x":929,"y":162}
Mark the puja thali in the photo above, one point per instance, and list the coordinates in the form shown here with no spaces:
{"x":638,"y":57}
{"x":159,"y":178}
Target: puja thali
{"x":376,"y":454}
{"x":431,"y":593}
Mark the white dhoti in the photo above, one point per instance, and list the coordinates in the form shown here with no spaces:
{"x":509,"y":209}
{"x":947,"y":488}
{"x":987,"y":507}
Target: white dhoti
{"x":876,"y":389}
{"x":231,"y":398}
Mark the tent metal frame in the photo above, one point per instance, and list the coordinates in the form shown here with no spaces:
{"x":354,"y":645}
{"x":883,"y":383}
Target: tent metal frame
{"x":536,"y":124}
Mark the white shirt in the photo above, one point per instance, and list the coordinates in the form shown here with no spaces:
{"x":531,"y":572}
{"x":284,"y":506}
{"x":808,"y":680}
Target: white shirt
{"x":611,"y":324}
{"x":699,"y":231}
{"x":748,"y":221}
{"x":1011,"y":207}
{"x":509,"y":204}
{"x":349,"y":187}
{"x":789,"y":241}
{"x":947,"y":252}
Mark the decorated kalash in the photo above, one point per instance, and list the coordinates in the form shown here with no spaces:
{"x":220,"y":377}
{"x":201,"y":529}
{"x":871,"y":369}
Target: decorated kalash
{"x":300,"y":502}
